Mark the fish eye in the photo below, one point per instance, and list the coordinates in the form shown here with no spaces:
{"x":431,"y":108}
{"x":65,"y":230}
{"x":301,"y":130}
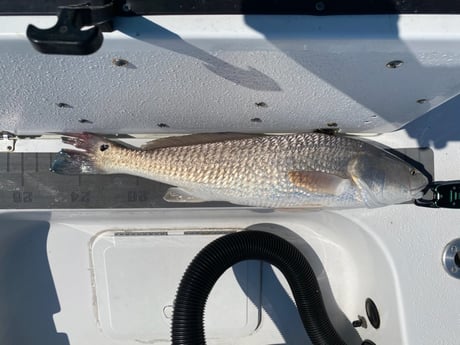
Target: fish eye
{"x":104,"y":147}
{"x":413,"y":172}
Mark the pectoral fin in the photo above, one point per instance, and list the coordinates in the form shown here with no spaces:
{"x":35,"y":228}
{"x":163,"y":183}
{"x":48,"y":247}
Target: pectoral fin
{"x":175,"y":194}
{"x":319,"y":182}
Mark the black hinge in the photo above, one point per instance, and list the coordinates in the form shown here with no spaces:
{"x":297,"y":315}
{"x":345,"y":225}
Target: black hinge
{"x":441,"y":195}
{"x":66,"y":37}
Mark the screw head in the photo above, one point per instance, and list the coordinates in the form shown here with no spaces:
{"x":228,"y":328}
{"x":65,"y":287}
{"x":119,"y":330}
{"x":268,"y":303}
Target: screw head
{"x":261,"y":104}
{"x":451,"y":258}
{"x":63,"y":105}
{"x":320,"y":6}
{"x":85,"y":121}
{"x":394,"y":64}
{"x":120,"y":62}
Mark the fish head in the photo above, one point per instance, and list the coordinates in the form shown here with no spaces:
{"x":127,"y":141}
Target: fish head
{"x":385,"y":179}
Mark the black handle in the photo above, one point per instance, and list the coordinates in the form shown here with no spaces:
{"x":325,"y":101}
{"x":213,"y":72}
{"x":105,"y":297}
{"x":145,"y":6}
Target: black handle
{"x":66,"y":37}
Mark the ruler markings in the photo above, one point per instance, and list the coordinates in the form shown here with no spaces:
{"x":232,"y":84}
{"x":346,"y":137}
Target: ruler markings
{"x":32,"y":186}
{"x":22,"y":170}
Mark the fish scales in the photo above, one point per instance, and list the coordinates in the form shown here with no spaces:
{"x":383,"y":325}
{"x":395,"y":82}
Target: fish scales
{"x":218,"y":162}
{"x":267,"y":171}
{"x":257,"y":165}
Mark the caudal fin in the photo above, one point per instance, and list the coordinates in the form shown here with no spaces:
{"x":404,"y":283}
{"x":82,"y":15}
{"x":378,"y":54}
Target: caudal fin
{"x":72,"y":162}
{"x":84,"y":160}
{"x":88,"y":142}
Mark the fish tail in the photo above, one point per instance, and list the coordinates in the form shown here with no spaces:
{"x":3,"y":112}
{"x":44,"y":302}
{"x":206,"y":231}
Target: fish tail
{"x":73,"y":162}
{"x":85,"y":141}
{"x":82,"y":161}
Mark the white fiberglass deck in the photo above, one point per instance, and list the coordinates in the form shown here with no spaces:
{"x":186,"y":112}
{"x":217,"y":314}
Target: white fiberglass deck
{"x":65,"y":279}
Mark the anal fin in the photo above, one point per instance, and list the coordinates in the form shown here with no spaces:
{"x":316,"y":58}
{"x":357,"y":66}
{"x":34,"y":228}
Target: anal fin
{"x":319,"y":182}
{"x":176,"y":194}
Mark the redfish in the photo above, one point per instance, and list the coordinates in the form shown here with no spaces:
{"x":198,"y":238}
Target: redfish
{"x":273,"y":171}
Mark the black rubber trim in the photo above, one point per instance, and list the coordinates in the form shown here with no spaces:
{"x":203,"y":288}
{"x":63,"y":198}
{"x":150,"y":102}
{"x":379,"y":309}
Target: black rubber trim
{"x":372,"y":313}
{"x":312,"y":7}
{"x":212,"y":261}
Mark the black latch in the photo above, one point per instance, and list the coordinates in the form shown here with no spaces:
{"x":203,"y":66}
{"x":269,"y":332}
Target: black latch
{"x":443,"y":195}
{"x":66,"y":37}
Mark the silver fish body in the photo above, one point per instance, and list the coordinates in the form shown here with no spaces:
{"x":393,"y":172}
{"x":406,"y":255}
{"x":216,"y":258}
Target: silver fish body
{"x":276,"y":171}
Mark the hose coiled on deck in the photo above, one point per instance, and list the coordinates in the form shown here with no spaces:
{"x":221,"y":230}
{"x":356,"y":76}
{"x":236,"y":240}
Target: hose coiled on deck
{"x":213,"y":260}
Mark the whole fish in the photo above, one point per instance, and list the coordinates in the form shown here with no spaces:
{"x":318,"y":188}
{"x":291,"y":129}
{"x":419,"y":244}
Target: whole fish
{"x":275,"y":171}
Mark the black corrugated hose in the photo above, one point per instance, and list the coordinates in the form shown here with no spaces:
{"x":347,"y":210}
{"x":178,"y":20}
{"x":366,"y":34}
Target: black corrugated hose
{"x":213,"y":260}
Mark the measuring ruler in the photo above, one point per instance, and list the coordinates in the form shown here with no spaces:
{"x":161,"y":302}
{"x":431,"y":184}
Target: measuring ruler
{"x":27,"y":183}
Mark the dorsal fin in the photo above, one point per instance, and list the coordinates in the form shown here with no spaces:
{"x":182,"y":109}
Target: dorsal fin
{"x":195,"y":139}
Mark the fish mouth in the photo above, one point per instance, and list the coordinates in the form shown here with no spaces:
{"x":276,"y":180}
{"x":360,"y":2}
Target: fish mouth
{"x":417,"y":193}
{"x":418,"y":186}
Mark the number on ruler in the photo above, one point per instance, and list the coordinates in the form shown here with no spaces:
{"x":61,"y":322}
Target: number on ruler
{"x":80,"y":196}
{"x":137,"y":196}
